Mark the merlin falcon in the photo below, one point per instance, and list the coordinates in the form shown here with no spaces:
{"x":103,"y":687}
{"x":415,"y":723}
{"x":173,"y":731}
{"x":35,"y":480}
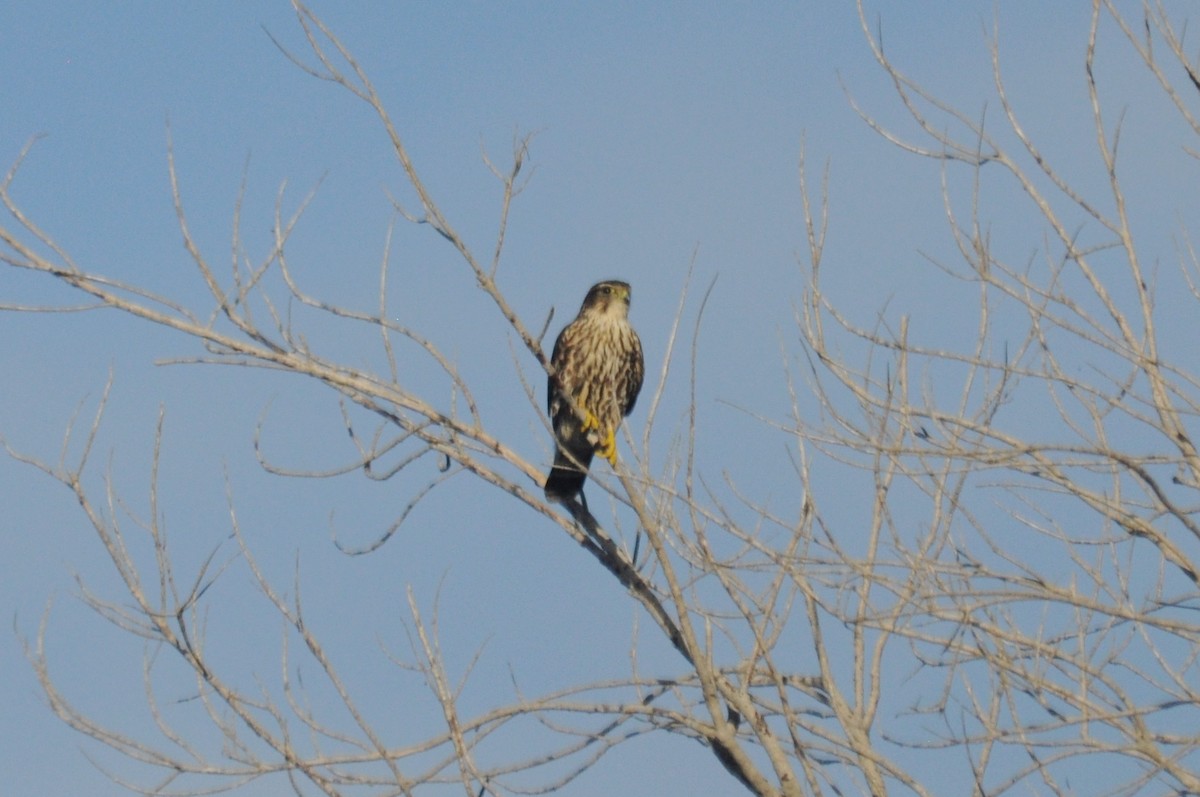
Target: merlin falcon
{"x":597,"y":373}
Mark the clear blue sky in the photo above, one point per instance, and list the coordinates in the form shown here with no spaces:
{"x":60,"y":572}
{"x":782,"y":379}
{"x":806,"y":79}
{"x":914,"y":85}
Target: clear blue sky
{"x":662,"y":130}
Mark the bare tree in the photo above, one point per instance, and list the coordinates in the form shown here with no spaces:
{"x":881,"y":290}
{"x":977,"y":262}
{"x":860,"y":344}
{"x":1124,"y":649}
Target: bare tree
{"x":1022,"y":602}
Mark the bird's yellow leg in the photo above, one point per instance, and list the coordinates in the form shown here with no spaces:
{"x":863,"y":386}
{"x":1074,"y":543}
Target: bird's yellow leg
{"x":608,"y":447}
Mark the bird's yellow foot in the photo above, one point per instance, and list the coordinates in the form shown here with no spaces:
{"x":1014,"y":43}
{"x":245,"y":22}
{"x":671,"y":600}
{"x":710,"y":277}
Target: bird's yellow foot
{"x":605,"y":442}
{"x":607,"y":447}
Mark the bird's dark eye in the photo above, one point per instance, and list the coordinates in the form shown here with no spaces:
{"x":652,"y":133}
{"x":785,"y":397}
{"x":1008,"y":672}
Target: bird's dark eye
{"x":607,"y":289}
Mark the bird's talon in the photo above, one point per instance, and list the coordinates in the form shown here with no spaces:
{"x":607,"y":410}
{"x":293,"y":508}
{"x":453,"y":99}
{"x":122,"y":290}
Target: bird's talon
{"x":608,"y":448}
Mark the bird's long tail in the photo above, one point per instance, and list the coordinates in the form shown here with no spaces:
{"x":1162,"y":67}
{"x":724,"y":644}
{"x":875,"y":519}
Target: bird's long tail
{"x":568,"y":474}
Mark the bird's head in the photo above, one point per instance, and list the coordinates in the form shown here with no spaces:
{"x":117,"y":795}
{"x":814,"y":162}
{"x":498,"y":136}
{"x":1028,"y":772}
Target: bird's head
{"x":610,"y":297}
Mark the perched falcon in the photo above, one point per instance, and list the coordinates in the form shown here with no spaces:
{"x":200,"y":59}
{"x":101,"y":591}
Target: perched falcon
{"x":598,"y":372}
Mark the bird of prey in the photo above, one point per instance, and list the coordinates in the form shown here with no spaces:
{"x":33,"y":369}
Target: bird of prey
{"x":597,"y":373}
